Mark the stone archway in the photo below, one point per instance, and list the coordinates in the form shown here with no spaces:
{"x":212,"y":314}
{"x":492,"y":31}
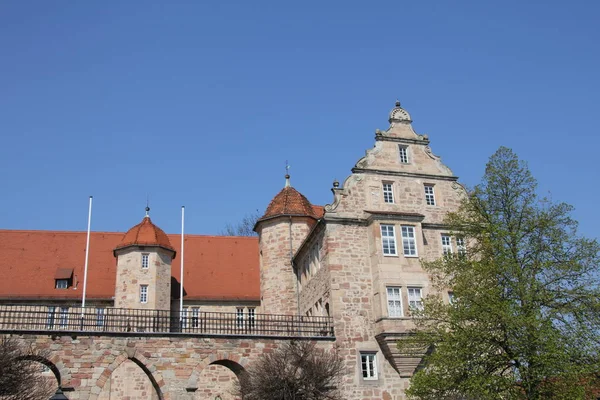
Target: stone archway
{"x":50,"y":373}
{"x":132,"y":377}
{"x":216,"y":377}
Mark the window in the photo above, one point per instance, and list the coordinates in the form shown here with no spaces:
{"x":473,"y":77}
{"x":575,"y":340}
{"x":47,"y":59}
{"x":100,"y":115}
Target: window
{"x":239,"y":317}
{"x":251,"y":317}
{"x":394,"y":296}
{"x":184,"y":317}
{"x":195,"y":316}
{"x":451,"y":298}
{"x":64,"y":317}
{"x":145,"y":260}
{"x":460,"y":246}
{"x":388,"y":240}
{"x":409,"y":244}
{"x":429,"y":195}
{"x":62,"y":283}
{"x":388,"y":193}
{"x":99,"y":317}
{"x":368,"y":365}
{"x":143,"y":294}
{"x":403,"y":151}
{"x":446,"y":244}
{"x":50,"y":320}
{"x":415,"y":298}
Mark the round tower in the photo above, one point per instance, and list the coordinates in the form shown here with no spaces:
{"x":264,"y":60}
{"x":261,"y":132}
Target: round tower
{"x":144,"y":259}
{"x":281,"y":230}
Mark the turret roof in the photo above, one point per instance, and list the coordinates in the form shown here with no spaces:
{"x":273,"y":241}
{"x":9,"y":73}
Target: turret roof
{"x":146,"y":234}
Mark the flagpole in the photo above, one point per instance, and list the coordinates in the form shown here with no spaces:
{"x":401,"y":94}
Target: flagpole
{"x":87,"y":253}
{"x":181,"y":277}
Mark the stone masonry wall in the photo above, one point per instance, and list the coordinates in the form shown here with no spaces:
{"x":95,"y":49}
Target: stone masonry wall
{"x":170,"y":368}
{"x":131,"y":275}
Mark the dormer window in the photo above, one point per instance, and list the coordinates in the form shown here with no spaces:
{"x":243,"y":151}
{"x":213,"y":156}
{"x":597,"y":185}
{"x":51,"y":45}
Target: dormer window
{"x":145,"y":260}
{"x":61,"y":283}
{"x":403,"y":151}
{"x":63,"y":278}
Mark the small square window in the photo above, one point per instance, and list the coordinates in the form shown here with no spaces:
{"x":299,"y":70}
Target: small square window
{"x":368,"y":365}
{"x":388,"y":192}
{"x":415,"y":298}
{"x":61,"y":284}
{"x":388,"y":240}
{"x":403,"y":151}
{"x":429,"y":195}
{"x":145,"y":260}
{"x":143,"y":294}
{"x":409,"y":242}
{"x":394,"y":297}
{"x":446,"y":244}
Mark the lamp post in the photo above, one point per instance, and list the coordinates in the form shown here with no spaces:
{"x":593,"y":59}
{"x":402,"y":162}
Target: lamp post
{"x":59,"y":395}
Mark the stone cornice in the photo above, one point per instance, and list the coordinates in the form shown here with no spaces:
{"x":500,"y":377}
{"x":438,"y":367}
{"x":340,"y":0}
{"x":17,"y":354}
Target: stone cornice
{"x":345,"y":221}
{"x":382,"y":138}
{"x":357,"y":170}
{"x":393,"y":216}
{"x":429,"y":225}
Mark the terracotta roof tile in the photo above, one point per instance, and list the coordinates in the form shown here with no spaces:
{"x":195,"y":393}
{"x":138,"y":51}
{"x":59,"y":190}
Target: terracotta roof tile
{"x":289,"y":202}
{"x":146,"y":234}
{"x":225,"y":268}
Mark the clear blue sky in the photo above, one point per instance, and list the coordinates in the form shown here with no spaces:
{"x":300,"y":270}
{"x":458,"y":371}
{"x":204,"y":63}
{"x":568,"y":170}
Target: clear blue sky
{"x":200,"y":103}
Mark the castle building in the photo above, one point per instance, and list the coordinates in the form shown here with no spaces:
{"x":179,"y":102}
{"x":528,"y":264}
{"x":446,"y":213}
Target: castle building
{"x":346,"y":275}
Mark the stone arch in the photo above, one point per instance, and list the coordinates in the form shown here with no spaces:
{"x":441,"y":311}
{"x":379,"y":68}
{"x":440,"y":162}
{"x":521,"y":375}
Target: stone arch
{"x":145,"y":365}
{"x":52,"y":366}
{"x":233,"y":362}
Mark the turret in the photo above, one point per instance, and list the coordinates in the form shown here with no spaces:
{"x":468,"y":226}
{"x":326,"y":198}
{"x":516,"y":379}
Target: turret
{"x":281,"y":230}
{"x":144,"y":259}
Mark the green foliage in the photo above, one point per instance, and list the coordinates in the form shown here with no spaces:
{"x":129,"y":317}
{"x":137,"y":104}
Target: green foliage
{"x":525,"y":323}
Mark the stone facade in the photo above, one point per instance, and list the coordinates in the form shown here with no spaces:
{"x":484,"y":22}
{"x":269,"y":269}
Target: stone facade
{"x":133,"y":275}
{"x":142,"y":368}
{"x":358,"y":262}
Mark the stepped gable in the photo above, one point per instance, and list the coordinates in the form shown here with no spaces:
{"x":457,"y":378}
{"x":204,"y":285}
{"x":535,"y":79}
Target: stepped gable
{"x":146,"y":234}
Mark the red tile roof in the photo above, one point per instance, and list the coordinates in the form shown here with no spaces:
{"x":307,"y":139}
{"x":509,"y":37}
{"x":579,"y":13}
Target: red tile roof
{"x":216,"y":268}
{"x":290,"y":202}
{"x":147,"y":234}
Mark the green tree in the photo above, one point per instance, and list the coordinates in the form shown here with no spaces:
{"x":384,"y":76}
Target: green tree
{"x":524,"y":322}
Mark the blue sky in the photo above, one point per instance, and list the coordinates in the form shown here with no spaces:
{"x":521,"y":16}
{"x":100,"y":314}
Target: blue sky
{"x":201,"y":103}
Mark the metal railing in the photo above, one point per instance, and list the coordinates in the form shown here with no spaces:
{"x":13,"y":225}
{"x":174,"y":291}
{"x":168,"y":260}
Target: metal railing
{"x":138,"y":321}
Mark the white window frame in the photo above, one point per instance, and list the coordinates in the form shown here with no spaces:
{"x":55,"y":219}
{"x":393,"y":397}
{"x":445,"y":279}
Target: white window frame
{"x":394,"y":301}
{"x":145,"y":260}
{"x":388,"y":240}
{"x":51,"y":317}
{"x":368,"y":365}
{"x":63,"y":319}
{"x":61,"y":284}
{"x":429,"y":194}
{"x":403,"y":153}
{"x":143,"y":294}
{"x":461,"y":246}
{"x":388,"y":192}
{"x":446,"y":244}
{"x":415,"y":297}
{"x":100,"y":317}
{"x":251,"y":317}
{"x":195,"y":320}
{"x":409,"y":241}
{"x":239,"y":317}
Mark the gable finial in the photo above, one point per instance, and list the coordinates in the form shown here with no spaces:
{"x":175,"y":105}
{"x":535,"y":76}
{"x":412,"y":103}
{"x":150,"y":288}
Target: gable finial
{"x":397,"y":103}
{"x":148,"y":206}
